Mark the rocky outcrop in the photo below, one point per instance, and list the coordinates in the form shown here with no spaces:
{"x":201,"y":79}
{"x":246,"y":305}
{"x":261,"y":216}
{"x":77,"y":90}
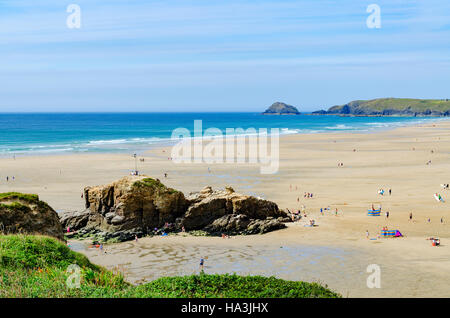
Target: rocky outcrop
{"x":242,"y":224}
{"x":141,"y":205}
{"x":76,"y":220}
{"x":132,"y":206}
{"x":281,"y":109}
{"x":26,"y":214}
{"x":208,"y":206}
{"x":391,"y":107}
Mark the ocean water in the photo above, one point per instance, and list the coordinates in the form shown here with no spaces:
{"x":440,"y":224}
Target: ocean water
{"x":22,"y":134}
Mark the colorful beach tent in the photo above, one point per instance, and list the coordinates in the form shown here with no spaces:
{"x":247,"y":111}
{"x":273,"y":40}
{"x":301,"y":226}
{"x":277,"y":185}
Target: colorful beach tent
{"x":374,"y":212}
{"x":388,"y":233}
{"x":398,"y":234}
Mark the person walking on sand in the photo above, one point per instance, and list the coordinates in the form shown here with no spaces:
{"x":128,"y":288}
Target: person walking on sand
{"x":410,"y":216}
{"x":136,"y":238}
{"x":202,"y":264}
{"x":390,"y":191}
{"x":367,"y":234}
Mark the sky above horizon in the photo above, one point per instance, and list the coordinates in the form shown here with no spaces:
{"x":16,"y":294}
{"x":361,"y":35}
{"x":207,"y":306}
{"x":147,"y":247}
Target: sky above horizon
{"x":209,"y":55}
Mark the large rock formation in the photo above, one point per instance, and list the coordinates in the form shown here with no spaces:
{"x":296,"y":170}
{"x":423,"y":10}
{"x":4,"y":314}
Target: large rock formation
{"x":26,"y":214}
{"x":391,"y":107}
{"x":130,"y":206}
{"x":281,"y":109}
{"x":137,"y":205}
{"x":208,"y":206}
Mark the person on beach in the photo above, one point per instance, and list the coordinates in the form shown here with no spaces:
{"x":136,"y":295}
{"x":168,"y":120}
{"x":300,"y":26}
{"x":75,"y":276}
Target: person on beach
{"x":336,"y":212}
{"x":202,"y":263}
{"x":410,"y":216}
{"x":367,"y":234}
{"x":390,"y":191}
{"x":387,"y":214}
{"x":136,"y":238}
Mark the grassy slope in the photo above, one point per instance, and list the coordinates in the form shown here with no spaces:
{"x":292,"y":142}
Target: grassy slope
{"x":34,"y":266}
{"x":417,"y":105}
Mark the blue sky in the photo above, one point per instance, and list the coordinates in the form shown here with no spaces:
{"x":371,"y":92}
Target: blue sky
{"x":210,"y":55}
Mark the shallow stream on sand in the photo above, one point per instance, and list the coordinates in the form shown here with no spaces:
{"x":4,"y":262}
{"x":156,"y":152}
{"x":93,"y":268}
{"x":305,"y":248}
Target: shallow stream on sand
{"x":343,"y":270}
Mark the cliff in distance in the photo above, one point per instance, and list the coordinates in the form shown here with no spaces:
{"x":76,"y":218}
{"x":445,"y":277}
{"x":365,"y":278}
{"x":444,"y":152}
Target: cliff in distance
{"x":391,"y":107}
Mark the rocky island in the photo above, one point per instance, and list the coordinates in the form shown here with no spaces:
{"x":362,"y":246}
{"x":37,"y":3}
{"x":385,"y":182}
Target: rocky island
{"x":391,"y":107}
{"x":279,"y":108}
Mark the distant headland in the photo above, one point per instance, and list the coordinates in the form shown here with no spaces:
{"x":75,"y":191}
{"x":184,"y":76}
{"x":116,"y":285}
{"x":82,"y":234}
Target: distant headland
{"x":279,"y":108}
{"x":391,"y":107}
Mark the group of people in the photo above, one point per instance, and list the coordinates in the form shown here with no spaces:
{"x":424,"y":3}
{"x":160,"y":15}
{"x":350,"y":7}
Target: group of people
{"x":439,"y":197}
{"x":434,"y":241}
{"x":12,"y":178}
{"x":307,"y":195}
{"x":381,"y":191}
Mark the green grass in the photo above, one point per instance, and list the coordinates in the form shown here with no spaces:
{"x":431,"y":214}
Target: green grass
{"x":231,"y":286}
{"x":15,"y":206}
{"x":156,"y":184}
{"x":35,"y":266}
{"x":30,"y":198}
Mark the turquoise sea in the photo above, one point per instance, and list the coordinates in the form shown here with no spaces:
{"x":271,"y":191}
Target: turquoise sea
{"x":48,"y":133}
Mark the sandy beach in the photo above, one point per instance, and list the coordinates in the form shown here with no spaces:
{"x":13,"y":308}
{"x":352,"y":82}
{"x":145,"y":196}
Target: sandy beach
{"x":336,"y":252}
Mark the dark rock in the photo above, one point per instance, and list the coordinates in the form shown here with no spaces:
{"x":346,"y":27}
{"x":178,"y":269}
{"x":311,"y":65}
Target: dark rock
{"x":75,"y":220}
{"x":281,"y":109}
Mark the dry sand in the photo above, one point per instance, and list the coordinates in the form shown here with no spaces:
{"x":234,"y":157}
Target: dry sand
{"x":336,"y":252}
